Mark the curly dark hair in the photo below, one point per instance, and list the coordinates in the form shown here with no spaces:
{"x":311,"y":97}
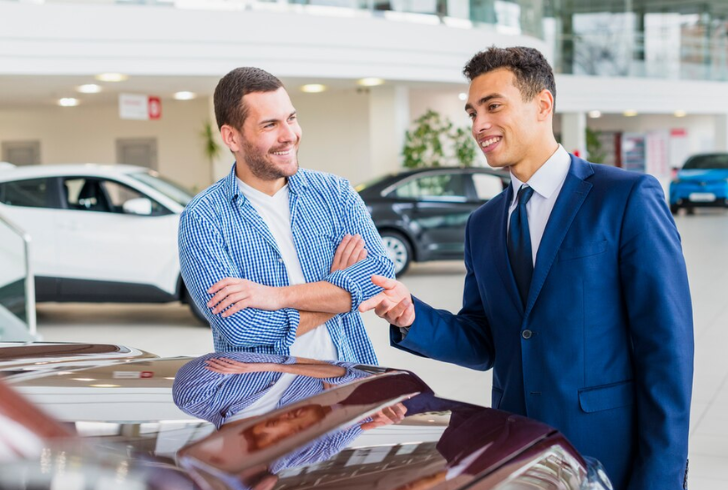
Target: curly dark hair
{"x":228,"y":99}
{"x":533,"y":73}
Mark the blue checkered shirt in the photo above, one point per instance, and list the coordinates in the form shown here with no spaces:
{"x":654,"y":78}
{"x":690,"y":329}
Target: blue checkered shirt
{"x":221,"y":235}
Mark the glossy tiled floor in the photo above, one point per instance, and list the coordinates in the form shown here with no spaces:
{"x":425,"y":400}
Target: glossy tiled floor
{"x":170,"y":330}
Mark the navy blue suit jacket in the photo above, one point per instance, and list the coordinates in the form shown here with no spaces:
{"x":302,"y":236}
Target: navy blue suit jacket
{"x":609,"y":358}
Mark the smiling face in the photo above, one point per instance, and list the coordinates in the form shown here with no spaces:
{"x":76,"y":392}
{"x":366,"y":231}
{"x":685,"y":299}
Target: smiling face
{"x":267,"y":144}
{"x":512,"y":132}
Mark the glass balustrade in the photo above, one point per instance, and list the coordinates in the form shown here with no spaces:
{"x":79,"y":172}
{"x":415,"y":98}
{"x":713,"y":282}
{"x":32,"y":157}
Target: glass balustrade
{"x":17,"y":289}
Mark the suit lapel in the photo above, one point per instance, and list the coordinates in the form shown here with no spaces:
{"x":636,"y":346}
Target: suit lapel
{"x":503,"y":265}
{"x":572,"y":196}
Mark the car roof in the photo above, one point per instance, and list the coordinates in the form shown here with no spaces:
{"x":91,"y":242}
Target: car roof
{"x":11,"y":172}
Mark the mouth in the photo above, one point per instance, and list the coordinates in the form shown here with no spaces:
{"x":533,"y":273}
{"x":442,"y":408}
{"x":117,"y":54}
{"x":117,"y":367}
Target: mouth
{"x":488,"y":144}
{"x":283,"y":153}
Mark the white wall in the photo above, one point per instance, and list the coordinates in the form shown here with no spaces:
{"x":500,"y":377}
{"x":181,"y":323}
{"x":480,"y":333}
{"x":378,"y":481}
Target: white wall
{"x":335,"y":133}
{"x":87,"y":134}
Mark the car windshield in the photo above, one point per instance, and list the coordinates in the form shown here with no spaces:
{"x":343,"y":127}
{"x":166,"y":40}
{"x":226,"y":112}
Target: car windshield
{"x":170,"y":189}
{"x":372,"y":182}
{"x":705,"y":162}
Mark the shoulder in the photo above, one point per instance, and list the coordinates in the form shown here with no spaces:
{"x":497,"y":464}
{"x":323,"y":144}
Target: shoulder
{"x":208,"y":203}
{"x":487,"y":210}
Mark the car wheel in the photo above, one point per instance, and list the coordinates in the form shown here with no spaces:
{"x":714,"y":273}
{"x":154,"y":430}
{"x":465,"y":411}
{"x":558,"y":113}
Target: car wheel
{"x":194,"y":309}
{"x":398,"y":249}
{"x":674,"y":208}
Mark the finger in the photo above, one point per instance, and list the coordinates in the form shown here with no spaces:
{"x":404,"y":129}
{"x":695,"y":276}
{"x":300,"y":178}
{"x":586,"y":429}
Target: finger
{"x":221,"y":284}
{"x":399,"y":308}
{"x":384,"y":282}
{"x":240,"y":305}
{"x":340,"y":249}
{"x":362,"y":255}
{"x":349,"y":249}
{"x":406,"y":319}
{"x":372,"y":302}
{"x":230,"y":300}
{"x":354,"y":256}
{"x":221,"y":295}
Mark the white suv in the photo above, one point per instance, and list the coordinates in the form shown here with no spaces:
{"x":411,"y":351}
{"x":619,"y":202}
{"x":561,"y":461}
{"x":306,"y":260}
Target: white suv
{"x":100,"y":233}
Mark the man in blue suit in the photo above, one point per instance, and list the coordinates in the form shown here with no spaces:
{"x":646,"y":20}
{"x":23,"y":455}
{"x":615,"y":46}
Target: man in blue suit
{"x":576,"y":292}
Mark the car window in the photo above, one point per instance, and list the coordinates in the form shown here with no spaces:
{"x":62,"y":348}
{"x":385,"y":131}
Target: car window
{"x":172,"y":190}
{"x":706,"y":162}
{"x":487,"y":186}
{"x":106,"y":196}
{"x":444,"y":187}
{"x":31,"y":193}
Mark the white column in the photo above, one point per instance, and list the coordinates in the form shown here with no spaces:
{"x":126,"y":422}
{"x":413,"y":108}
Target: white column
{"x":388,"y":120}
{"x":721,"y":132}
{"x":573,"y":132}
{"x":224,"y":160}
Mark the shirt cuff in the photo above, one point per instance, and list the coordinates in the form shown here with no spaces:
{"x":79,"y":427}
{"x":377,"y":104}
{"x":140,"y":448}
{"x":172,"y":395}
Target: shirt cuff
{"x":293,"y":318}
{"x":341,"y":279}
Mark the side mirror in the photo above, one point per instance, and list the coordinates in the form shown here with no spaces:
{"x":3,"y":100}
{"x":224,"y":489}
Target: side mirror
{"x":141,"y":206}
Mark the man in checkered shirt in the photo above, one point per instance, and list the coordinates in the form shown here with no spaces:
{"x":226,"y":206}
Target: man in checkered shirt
{"x":278,"y":258}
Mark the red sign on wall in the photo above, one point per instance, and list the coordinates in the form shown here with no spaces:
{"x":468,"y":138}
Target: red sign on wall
{"x":154,"y":106}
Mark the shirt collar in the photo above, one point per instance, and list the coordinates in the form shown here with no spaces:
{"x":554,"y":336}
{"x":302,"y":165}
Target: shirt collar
{"x":296,"y":183}
{"x":549,"y":177}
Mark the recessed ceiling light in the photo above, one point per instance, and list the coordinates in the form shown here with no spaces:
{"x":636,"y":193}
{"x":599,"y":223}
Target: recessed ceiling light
{"x":680,"y":113}
{"x":105,"y":386}
{"x":595,"y":114}
{"x":370,"y":82}
{"x":463,"y":96}
{"x":89,"y":88}
{"x":112,"y":77}
{"x":630,"y":113}
{"x":84,"y":379}
{"x":68,"y":102}
{"x":184,"y":95}
{"x":313,"y":88}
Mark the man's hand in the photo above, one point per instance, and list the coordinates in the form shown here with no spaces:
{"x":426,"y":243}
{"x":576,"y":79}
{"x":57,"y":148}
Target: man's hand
{"x":388,"y":416}
{"x":350,"y":251}
{"x":394,"y":304}
{"x":239,"y":294}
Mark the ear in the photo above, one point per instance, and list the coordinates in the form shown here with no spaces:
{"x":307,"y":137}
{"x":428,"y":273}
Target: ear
{"x":545,"y":101}
{"x":231,"y":137}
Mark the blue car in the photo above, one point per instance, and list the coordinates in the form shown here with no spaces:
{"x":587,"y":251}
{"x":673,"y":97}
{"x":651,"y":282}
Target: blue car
{"x":702,"y":182}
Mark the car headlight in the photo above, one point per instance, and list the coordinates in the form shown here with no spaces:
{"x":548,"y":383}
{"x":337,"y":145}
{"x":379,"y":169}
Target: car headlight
{"x":556,"y":469}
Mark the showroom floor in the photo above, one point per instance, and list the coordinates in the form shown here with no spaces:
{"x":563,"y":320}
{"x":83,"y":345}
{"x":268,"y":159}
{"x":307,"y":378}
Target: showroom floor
{"x":170,"y":330}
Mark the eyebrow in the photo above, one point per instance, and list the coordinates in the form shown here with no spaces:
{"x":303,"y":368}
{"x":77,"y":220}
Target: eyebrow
{"x":482,"y":101}
{"x":266,"y":121}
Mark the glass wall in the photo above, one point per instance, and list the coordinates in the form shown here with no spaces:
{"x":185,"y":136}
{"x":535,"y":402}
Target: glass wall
{"x":639,"y":38}
{"x":17,"y":298}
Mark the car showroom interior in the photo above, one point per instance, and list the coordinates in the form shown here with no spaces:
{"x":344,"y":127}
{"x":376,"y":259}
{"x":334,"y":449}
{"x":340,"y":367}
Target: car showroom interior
{"x":393,"y":244}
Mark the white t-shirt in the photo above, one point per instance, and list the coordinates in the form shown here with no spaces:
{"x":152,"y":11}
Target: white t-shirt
{"x":276,"y":213}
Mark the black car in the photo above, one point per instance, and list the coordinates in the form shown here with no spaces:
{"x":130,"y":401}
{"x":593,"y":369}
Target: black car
{"x":421,"y":214}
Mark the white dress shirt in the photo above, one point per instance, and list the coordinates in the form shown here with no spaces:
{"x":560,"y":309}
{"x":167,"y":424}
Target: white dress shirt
{"x":275,"y":211}
{"x":546,"y":183}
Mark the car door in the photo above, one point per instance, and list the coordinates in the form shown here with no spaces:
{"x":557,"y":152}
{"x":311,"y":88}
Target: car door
{"x":437,"y":206}
{"x":108,"y":252}
{"x":33,"y":205}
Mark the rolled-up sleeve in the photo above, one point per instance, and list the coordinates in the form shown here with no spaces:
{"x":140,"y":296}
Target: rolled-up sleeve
{"x":357,"y":279}
{"x":204,"y":261}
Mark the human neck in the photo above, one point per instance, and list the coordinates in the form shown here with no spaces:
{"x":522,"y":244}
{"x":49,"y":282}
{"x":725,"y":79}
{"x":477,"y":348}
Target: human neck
{"x":524,"y":169}
{"x":269,"y":187}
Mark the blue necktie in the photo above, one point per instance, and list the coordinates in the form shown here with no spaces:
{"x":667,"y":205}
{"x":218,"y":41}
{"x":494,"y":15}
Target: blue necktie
{"x":519,"y":244}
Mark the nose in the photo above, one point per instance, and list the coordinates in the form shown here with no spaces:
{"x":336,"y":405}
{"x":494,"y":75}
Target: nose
{"x":288,"y":133}
{"x":481,"y":123}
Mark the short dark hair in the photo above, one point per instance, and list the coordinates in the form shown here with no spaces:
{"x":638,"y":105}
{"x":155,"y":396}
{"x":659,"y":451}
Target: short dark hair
{"x":228,"y":98}
{"x":533,"y":73}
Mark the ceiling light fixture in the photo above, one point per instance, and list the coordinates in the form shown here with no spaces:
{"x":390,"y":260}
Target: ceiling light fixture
{"x":370,"y":82}
{"x":680,"y":113}
{"x":463,"y":96}
{"x":595,"y":114}
{"x":313,"y":88}
{"x":630,"y":113}
{"x":68,"y":102}
{"x":184,"y":95}
{"x":112,"y":77}
{"x":89,"y":88}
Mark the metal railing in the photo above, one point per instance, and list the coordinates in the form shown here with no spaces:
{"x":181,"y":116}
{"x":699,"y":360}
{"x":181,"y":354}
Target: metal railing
{"x":30,"y":314}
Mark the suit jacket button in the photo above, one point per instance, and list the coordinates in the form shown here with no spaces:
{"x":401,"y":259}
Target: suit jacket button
{"x":526,"y":334}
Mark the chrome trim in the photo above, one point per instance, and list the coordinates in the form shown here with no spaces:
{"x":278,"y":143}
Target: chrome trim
{"x":29,"y":276}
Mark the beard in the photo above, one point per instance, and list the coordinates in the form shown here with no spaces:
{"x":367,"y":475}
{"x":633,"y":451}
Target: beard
{"x":260,"y":166}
